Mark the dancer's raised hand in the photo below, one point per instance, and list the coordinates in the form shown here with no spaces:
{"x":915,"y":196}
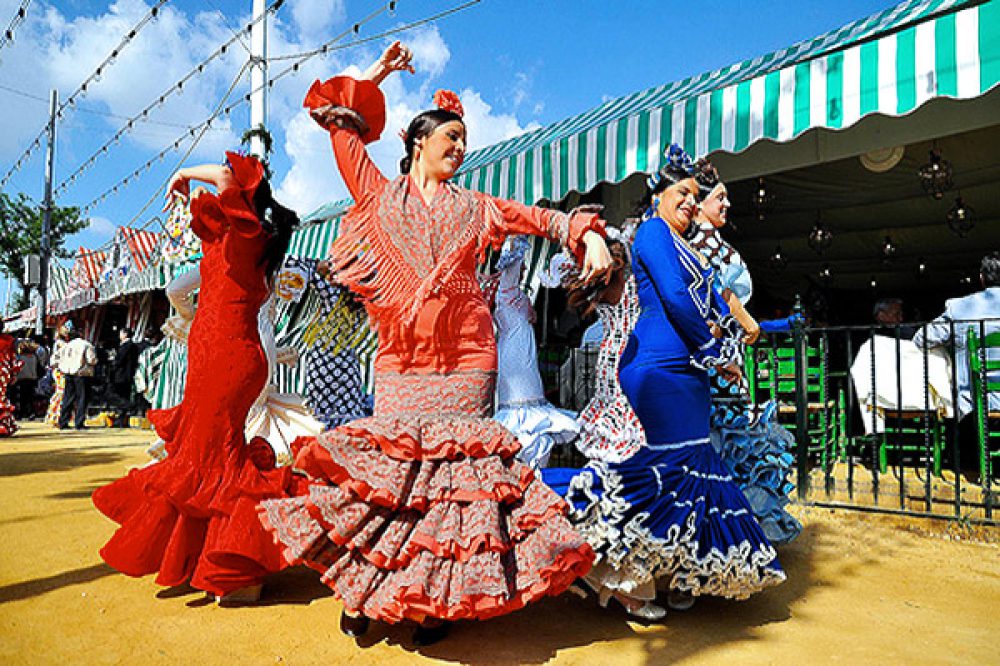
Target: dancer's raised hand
{"x":396,"y":58}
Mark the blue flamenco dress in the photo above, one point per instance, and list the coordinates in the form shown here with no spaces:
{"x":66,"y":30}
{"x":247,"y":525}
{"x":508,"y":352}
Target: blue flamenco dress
{"x":754,"y":446}
{"x":671,"y":513}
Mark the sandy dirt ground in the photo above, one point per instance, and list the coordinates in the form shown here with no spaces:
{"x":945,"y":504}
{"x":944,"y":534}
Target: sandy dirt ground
{"x":860,"y":589}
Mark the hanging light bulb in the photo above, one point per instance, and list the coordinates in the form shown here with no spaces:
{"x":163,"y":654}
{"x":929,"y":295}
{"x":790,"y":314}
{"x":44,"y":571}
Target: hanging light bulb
{"x":778,"y":259}
{"x":936,"y":175}
{"x":762,"y":200}
{"x":825,"y":274}
{"x":961,"y":218}
{"x":888,"y":251}
{"x":873,"y":283}
{"x":921,"y":270}
{"x":820,"y":237}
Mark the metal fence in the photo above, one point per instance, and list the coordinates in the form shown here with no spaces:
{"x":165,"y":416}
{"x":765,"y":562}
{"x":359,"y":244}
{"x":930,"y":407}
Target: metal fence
{"x":881,"y":423}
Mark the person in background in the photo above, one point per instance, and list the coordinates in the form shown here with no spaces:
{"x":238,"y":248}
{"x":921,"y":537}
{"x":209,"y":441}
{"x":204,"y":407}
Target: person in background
{"x":123,"y":376}
{"x":979,"y":310}
{"x":889,"y":312}
{"x":27,"y":379}
{"x":76,"y":361}
{"x":58,"y":379}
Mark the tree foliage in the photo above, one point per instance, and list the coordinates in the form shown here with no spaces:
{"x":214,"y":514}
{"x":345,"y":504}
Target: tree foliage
{"x":21,"y":234}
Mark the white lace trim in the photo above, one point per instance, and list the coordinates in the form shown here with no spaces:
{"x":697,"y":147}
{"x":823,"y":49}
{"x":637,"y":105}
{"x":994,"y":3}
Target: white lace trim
{"x":636,"y":557}
{"x":709,"y":477}
{"x":679,"y":445}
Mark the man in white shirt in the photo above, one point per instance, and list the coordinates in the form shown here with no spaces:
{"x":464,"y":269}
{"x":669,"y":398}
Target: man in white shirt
{"x":76,"y":360}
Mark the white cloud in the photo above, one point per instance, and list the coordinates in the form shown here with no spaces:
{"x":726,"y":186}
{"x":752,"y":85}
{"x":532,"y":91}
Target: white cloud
{"x":430,"y":53}
{"x":314,"y":18}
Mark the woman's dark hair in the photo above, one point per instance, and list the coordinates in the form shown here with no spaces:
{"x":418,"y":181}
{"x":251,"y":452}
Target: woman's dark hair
{"x":707,"y":177}
{"x":990,"y":270}
{"x":669,"y":174}
{"x":584,"y":297}
{"x":278,"y":222}
{"x":423,"y":125}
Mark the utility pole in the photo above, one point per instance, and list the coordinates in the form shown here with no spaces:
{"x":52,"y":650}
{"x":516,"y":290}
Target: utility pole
{"x":258,"y":77}
{"x":50,"y":158}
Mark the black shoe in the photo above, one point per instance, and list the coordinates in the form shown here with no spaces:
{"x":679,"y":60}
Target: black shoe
{"x":429,"y":635}
{"x":353,"y":626}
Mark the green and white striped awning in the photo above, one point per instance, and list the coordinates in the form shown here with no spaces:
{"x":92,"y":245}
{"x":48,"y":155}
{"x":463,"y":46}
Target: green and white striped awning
{"x":318,"y":231}
{"x":890,"y":63}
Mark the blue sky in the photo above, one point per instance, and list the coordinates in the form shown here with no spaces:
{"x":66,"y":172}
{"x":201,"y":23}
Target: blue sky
{"x":517,"y":64}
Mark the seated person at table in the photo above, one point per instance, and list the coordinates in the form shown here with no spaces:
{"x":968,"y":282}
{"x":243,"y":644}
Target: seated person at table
{"x":951,"y":328}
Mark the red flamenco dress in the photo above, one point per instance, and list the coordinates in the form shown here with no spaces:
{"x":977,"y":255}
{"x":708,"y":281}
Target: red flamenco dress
{"x":421,"y":511}
{"x":192,"y":517}
{"x":9,"y":367}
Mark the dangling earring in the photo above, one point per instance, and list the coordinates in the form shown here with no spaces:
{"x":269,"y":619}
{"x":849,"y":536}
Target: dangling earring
{"x":656,"y":204}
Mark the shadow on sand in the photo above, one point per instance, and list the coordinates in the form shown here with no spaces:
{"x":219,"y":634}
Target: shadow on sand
{"x":53,"y":460}
{"x":33,"y":588}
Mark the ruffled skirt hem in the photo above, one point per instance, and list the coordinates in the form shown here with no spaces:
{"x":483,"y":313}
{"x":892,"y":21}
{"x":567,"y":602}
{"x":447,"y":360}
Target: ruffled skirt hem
{"x":449,"y":538}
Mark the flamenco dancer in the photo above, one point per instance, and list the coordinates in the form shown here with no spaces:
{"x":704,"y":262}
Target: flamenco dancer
{"x":609,"y":429}
{"x":9,"y":367}
{"x":422,"y":512}
{"x":671,"y":512}
{"x":192,"y":517}
{"x":521,"y":404}
{"x":755,"y":447}
{"x":334,"y":390}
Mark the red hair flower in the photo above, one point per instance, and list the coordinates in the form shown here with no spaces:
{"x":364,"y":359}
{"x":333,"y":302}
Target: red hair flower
{"x":446,"y":100}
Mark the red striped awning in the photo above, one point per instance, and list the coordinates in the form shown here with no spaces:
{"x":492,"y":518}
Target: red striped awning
{"x":87,"y":269}
{"x":141,"y":245}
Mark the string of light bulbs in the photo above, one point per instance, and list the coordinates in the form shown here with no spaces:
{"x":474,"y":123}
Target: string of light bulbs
{"x":143,"y":115}
{"x":330,"y":46}
{"x":8,"y":35}
{"x":82,"y":88}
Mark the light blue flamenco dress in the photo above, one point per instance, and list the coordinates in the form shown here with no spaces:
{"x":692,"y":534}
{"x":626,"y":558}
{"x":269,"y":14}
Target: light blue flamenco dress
{"x":671,"y":515}
{"x":521,"y":405}
{"x":754,"y":446}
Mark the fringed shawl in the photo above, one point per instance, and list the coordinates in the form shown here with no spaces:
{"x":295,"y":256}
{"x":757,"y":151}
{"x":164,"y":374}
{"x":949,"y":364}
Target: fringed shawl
{"x":395,"y":252}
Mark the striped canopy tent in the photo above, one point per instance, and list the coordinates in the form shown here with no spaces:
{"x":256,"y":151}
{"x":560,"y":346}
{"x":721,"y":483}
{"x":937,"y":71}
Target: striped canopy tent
{"x":890,"y":63}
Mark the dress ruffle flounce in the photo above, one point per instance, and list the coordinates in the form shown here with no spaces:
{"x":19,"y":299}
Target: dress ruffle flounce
{"x":539,"y":428}
{"x":700,"y":536}
{"x":427,"y":516}
{"x":758,"y":453}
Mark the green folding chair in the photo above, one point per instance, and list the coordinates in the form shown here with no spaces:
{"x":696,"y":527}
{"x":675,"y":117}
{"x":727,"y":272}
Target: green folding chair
{"x":770,"y":370}
{"x":984,"y":375}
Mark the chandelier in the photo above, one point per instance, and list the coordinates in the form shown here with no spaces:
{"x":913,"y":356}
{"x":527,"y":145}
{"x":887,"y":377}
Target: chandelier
{"x":762,"y":200}
{"x":820,"y":236}
{"x":936,"y":175}
{"x":961,"y":218}
{"x":778,"y":259}
{"x":888,"y":251}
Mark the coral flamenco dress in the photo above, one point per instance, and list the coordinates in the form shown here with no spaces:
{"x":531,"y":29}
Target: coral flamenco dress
{"x":192,"y":517}
{"x":422,"y":511}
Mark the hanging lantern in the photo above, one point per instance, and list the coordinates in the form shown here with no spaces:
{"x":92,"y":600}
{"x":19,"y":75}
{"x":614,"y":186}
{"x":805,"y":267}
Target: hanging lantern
{"x":820,"y":237}
{"x":961,"y":218}
{"x":778,"y":260}
{"x":936,"y":175}
{"x":921,"y":270}
{"x":873,"y":283}
{"x":825,"y":274}
{"x":888,"y":251}
{"x":762,"y":200}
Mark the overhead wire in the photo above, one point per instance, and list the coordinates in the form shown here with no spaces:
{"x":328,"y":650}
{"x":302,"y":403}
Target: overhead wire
{"x":142,"y":115}
{"x":330,"y":46}
{"x":82,"y":88}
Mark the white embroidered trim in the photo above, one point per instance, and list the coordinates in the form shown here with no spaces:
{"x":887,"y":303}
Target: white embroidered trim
{"x":679,"y":445}
{"x":636,"y":557}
